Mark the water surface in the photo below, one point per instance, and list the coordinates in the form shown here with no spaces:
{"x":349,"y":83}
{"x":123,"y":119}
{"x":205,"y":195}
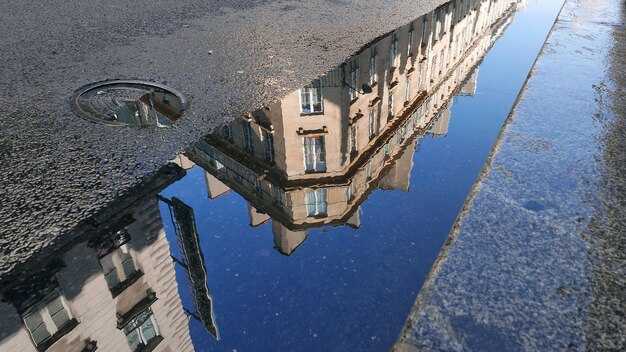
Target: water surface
{"x":309,"y":224}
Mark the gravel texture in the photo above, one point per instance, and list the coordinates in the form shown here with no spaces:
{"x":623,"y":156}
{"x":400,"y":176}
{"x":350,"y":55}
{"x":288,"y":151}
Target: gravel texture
{"x":537,"y":259}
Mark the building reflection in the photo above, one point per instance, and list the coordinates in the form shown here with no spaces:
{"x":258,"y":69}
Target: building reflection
{"x":307,"y":161}
{"x":311,"y":159}
{"x":114,"y":289}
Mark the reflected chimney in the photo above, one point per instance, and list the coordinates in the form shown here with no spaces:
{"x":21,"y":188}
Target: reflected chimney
{"x":286,"y":240}
{"x":215,"y":187}
{"x":256,"y":218}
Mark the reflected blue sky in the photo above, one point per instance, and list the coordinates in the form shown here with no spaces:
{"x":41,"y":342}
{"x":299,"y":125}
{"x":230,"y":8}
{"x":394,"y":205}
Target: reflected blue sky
{"x":350,"y":289}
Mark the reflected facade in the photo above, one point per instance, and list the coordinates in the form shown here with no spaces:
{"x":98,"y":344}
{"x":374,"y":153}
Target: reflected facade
{"x":312,"y":158}
{"x":114,"y":290}
{"x":308,"y":161}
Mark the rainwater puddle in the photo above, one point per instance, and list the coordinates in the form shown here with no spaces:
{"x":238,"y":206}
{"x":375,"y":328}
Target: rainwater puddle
{"x":308,"y":225}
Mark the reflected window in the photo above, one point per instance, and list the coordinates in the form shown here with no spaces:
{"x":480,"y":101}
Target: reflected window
{"x":419,"y":78}
{"x":247,"y":136}
{"x":373,"y":64}
{"x":350,"y":192}
{"x":368,"y":170}
{"x":353,"y":139}
{"x":316,"y":202}
{"x":436,"y":25}
{"x":354,"y":78}
{"x":141,"y":331}
{"x":269,"y":146}
{"x":277,"y":196}
{"x":228,"y":132}
{"x":390,"y":104}
{"x":210,"y":152}
{"x":442,"y":56}
{"x":410,"y":40}
{"x":407,"y":92}
{"x":373,"y":121}
{"x":311,"y":98}
{"x":454,"y":18}
{"x":401,"y":134}
{"x":392,"y":50}
{"x":314,"y":154}
{"x":48,"y":320}
{"x":118,"y":267}
{"x":423,"y":40}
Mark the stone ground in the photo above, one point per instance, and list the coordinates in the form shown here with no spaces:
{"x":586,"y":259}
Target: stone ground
{"x":537,"y":259}
{"x":228,"y":56}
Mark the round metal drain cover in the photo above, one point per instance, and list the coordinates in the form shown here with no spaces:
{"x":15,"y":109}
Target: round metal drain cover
{"x":129,"y":103}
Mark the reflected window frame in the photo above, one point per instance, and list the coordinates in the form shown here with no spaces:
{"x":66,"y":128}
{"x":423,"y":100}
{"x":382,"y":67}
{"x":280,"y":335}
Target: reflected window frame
{"x":228,"y":132}
{"x":423,"y":39}
{"x":354,"y":143}
{"x":409,"y":51}
{"x":312,"y":98}
{"x":354,"y":79}
{"x":393,"y":51}
{"x":248,"y":142}
{"x":314,"y":152}
{"x":119,"y":264}
{"x":135,"y":328}
{"x":407,"y":89}
{"x":270,"y":153}
{"x":373,"y":65}
{"x":390,"y":104}
{"x":44,"y":318}
{"x":350,"y":192}
{"x":317,"y":203}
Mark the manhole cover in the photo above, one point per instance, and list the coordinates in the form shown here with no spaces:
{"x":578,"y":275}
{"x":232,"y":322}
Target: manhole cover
{"x":129,"y":103}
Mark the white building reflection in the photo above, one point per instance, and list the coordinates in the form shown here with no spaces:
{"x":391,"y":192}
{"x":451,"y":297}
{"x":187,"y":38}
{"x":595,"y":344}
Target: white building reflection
{"x":114,"y":289}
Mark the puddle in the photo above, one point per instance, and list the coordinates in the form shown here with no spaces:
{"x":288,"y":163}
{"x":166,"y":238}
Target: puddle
{"x":309,"y":224}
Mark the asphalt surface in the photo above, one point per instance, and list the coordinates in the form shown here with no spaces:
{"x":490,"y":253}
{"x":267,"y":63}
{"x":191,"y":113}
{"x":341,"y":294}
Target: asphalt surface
{"x":228,"y":57}
{"x":537,"y":259}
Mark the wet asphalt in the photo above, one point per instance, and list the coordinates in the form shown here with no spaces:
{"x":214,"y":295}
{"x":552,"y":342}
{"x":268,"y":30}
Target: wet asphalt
{"x":228,"y":57}
{"x":537,"y":258}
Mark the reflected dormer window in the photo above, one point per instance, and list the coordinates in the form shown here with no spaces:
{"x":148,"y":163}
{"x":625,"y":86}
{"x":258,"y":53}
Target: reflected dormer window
{"x":247,"y":136}
{"x":311,"y":98}
{"x":269,"y":146}
{"x":228,"y":132}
